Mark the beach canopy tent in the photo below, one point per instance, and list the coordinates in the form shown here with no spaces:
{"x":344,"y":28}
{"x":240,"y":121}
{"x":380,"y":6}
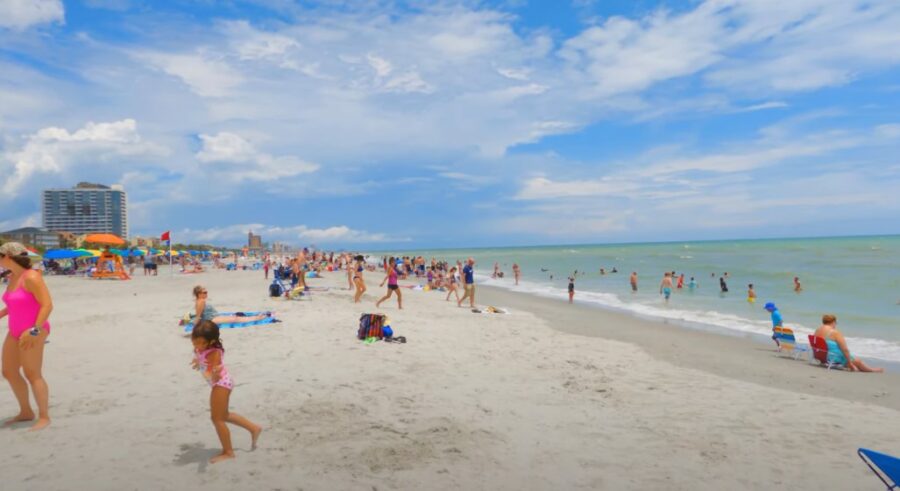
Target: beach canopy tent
{"x":105,"y":239}
{"x":65,"y":254}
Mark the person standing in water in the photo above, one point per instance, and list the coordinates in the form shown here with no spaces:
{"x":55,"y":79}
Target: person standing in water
{"x":722,"y":285}
{"x":797,"y":286}
{"x":681,"y":281}
{"x":665,"y":287}
{"x":633,"y":280}
{"x":751,"y":295}
{"x":572,"y":287}
{"x":692,"y":284}
{"x":516,"y":272}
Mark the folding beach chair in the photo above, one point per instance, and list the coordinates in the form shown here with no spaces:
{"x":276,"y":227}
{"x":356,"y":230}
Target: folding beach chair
{"x":291,"y":293}
{"x":787,"y":343}
{"x":820,"y":352}
{"x":888,"y":466}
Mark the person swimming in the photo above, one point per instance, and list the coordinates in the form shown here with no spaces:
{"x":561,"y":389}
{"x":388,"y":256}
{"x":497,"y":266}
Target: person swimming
{"x":751,"y":295}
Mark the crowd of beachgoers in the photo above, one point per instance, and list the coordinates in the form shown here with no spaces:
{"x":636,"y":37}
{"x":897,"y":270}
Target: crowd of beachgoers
{"x":28,"y":306}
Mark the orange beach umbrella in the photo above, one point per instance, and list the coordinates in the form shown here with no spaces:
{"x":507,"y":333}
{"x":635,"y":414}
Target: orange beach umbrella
{"x":105,"y":239}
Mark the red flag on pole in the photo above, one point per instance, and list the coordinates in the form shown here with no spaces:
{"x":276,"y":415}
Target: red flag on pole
{"x":165,"y":236}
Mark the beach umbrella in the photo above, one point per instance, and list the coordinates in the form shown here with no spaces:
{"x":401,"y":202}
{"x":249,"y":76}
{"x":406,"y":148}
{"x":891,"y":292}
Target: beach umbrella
{"x":92,"y":252}
{"x":65,"y":254}
{"x":105,"y":239}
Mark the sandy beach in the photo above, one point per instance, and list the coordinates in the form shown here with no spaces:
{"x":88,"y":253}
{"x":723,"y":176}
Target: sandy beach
{"x":548,"y":396}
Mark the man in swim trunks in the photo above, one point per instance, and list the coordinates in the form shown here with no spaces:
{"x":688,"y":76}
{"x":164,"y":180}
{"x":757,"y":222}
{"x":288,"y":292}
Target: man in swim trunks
{"x":469,"y":282}
{"x":776,"y":320}
{"x":633,"y":281}
{"x":665,"y":287}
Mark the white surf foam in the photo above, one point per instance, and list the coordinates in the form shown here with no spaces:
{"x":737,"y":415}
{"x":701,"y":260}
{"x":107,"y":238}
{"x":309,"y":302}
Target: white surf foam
{"x":709,"y":319}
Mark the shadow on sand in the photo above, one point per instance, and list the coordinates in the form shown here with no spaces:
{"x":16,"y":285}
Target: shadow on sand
{"x":195,"y":453}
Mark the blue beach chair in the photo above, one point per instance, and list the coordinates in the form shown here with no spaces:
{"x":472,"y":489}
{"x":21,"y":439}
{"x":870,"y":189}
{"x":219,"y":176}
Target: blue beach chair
{"x":888,"y":466}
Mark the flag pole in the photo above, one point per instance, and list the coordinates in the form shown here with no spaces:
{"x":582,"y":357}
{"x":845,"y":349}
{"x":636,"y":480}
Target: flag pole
{"x":171,"y":269}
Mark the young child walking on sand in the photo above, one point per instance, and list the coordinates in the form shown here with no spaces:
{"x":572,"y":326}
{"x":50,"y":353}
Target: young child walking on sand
{"x":208,"y":358}
{"x":452,"y":282}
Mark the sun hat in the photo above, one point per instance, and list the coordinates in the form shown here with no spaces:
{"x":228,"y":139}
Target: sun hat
{"x":770,"y":306}
{"x":13,"y":249}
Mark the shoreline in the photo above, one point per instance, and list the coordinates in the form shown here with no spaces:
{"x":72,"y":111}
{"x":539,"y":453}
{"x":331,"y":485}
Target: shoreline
{"x":471,"y":401}
{"x":726,"y":354}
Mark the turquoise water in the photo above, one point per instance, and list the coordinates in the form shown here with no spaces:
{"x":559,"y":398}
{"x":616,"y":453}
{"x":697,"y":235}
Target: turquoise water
{"x":854,"y":278}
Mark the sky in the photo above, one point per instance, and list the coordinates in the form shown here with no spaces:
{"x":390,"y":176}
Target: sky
{"x":400,"y":124}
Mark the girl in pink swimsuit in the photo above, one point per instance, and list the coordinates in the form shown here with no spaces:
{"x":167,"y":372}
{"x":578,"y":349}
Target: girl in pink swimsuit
{"x":27,"y":306}
{"x":393,"y":286}
{"x":208,"y":358}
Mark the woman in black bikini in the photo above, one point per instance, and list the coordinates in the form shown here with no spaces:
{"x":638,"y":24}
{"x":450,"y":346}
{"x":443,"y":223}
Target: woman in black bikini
{"x":358,"y":279}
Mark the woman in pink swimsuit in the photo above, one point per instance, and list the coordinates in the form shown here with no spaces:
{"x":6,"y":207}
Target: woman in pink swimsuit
{"x":27,"y":306}
{"x":209,"y":359}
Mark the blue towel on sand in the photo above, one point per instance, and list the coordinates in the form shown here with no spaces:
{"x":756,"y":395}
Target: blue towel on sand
{"x":268,"y":320}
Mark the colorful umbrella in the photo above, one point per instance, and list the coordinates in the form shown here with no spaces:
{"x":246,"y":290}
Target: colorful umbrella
{"x":105,"y":239}
{"x":65,"y":254}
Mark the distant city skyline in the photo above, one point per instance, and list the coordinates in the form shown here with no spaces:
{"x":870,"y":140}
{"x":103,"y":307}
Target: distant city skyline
{"x":378,"y":125}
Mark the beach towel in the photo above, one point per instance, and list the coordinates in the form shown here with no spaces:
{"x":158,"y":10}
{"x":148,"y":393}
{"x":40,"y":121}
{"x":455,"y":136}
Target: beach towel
{"x":370,"y":326}
{"x":189,"y":326}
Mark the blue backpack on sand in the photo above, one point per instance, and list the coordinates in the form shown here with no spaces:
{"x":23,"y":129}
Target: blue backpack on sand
{"x":275,"y":289}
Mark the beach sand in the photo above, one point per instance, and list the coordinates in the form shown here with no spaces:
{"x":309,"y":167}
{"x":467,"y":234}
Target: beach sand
{"x":549,"y":396}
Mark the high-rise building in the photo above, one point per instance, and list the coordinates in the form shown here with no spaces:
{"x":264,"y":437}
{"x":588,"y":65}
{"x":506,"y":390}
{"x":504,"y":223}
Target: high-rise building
{"x":254,"y":242}
{"x":86,"y":208}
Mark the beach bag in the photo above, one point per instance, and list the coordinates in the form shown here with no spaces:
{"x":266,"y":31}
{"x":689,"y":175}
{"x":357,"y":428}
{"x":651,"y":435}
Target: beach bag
{"x":370,"y":326}
{"x":275,"y":289}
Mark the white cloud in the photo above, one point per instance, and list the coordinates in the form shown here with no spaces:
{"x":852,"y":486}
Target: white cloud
{"x":889,"y":131}
{"x":763,"y":106}
{"x":541,"y":188}
{"x":226,"y":147}
{"x":55,"y":150}
{"x":230,"y":148}
{"x":381,"y":66}
{"x":297,"y":234}
{"x":22,"y":14}
{"x":205,"y":75}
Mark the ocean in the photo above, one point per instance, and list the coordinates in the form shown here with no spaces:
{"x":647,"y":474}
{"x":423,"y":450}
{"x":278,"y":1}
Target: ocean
{"x":855,"y":278}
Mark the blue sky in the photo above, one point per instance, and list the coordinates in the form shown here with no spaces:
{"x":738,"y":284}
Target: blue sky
{"x":367,"y":124}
